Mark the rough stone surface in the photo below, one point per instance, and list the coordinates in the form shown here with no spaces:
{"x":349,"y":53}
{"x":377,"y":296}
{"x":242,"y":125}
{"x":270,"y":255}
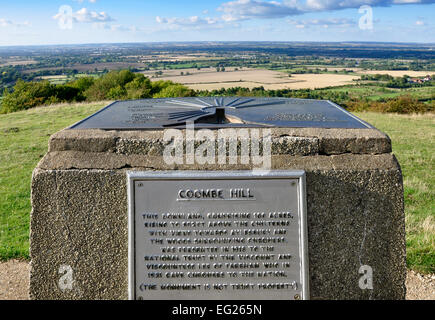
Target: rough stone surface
{"x":79,"y":219}
{"x":358,"y":221}
{"x":100,"y":160}
{"x":355,"y":210}
{"x":316,"y":140}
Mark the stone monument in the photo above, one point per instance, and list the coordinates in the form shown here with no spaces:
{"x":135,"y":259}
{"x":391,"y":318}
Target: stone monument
{"x":218,"y":198}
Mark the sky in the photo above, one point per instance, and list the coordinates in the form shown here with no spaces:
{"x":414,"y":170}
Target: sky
{"x":29,"y":22}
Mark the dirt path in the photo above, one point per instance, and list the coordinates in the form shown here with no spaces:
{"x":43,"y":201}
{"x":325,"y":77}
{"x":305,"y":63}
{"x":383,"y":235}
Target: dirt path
{"x":14,"y":282}
{"x":420,"y":287}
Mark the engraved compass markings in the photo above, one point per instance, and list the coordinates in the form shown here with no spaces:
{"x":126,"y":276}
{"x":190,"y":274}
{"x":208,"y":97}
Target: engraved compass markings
{"x":179,"y":116}
{"x":183,"y":113}
{"x":274,"y":103}
{"x":186,"y":118}
{"x":206,"y":103}
{"x":235,"y":100}
{"x":220,"y":102}
{"x":235,"y":105}
{"x":185,"y":103}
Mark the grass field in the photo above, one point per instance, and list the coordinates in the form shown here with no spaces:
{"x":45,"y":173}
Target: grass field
{"x":413,"y":139}
{"x":23,"y":142}
{"x":376,"y":92}
{"x":62,"y":79}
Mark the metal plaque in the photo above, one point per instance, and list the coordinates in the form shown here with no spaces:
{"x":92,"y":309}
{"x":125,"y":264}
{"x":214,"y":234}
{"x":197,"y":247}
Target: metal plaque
{"x":221,"y":112}
{"x":217,"y":235}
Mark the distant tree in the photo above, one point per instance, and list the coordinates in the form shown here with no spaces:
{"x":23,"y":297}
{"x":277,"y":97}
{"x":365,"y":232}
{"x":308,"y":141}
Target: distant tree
{"x":173,"y":91}
{"x":139,"y":88}
{"x":64,"y":93}
{"x":406,"y":104}
{"x":27,"y":95}
{"x":82,"y":84}
{"x":119,"y":92}
{"x":102,"y":87}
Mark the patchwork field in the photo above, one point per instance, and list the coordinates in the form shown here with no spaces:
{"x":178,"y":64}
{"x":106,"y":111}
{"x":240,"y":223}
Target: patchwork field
{"x":394,"y":73}
{"x":62,"y":79}
{"x":162,"y":56}
{"x":13,"y":62}
{"x":399,"y":73}
{"x":186,"y":71}
{"x":209,"y":79}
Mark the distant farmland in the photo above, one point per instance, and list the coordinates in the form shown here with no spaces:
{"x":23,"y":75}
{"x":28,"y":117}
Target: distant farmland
{"x":209,"y":79}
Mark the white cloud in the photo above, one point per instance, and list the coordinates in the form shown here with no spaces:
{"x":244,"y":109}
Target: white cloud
{"x":266,"y":9}
{"x":116,"y":27}
{"x":419,"y":23}
{"x":121,"y":28}
{"x":325,"y":23}
{"x":5,"y":23}
{"x":248,"y":9}
{"x":9,"y":23}
{"x":191,"y":21}
{"x":87,"y":16}
{"x":406,"y":1}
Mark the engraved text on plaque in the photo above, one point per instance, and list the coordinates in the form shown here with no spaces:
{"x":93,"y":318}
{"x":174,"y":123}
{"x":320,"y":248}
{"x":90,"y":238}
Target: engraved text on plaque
{"x":223,"y":235}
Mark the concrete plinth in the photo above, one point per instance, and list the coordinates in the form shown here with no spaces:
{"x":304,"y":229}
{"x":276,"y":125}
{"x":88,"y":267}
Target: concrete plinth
{"x":354,"y":208}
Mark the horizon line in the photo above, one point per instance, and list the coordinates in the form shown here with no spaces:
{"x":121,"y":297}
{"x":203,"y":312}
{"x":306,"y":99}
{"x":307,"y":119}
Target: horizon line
{"x":213,"y":41}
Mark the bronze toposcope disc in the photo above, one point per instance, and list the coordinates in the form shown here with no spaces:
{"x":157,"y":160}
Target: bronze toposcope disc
{"x":220,"y":112}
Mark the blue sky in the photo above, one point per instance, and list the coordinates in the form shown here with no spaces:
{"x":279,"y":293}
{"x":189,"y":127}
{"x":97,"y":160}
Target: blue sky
{"x":26,"y":22}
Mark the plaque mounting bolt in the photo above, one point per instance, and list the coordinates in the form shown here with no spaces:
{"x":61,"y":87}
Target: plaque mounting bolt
{"x":297,"y":297}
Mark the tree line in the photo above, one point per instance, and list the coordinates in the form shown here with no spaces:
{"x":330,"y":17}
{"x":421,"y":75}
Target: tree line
{"x":125,"y":84}
{"x":115,"y":85}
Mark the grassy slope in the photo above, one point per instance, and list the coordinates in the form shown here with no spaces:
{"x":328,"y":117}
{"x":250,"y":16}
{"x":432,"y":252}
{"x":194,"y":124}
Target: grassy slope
{"x":413,"y":138}
{"x":374,"y":92}
{"x":21,"y":150}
